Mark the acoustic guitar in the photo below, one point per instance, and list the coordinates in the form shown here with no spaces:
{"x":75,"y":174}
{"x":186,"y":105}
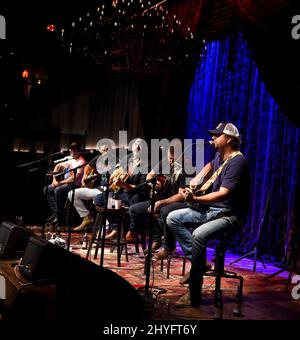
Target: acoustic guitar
{"x":58,"y":172}
{"x":89,"y":181}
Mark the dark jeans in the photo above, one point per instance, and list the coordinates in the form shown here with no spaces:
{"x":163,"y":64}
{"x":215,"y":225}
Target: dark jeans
{"x":139,"y":216}
{"x":56,"y":198}
{"x":201,"y":236}
{"x":127,"y":199}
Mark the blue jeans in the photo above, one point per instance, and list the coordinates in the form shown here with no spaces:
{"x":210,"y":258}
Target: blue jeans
{"x":200,"y":238}
{"x":179,"y":222}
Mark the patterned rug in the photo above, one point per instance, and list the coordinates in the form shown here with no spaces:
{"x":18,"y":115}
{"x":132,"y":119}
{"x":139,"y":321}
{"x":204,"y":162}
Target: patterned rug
{"x":259,"y":294}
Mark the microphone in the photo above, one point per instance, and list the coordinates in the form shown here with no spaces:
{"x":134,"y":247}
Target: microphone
{"x":63,"y":159}
{"x":210,"y":142}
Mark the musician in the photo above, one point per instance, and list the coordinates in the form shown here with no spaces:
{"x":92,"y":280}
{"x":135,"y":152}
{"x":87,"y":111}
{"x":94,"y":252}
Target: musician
{"x":93,"y":183}
{"x":228,"y":196}
{"x":167,"y":198}
{"x":136,"y":175}
{"x":56,"y":193}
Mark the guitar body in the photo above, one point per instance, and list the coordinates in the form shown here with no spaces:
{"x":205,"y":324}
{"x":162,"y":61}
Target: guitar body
{"x":162,"y":184}
{"x":59,"y":168}
{"x":90,"y":180}
{"x":119,"y":182}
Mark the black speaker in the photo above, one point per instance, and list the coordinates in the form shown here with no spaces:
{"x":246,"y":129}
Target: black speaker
{"x":13,"y":240}
{"x":42,"y":260}
{"x":84,"y":291}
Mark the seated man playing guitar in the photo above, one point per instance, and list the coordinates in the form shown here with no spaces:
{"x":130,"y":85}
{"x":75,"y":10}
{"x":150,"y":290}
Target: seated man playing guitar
{"x":124,"y":184}
{"x":93,"y":183}
{"x":57,"y":192}
{"x":225,"y":194}
{"x":167,"y":198}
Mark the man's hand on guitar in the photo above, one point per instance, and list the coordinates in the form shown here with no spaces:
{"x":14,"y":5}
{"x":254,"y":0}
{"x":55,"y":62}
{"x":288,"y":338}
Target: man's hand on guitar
{"x":189,"y":195}
{"x":158,"y":186}
{"x":55,"y":183}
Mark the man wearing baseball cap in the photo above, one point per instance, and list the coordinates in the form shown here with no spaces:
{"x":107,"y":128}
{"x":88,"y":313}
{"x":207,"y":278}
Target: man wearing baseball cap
{"x":219,"y":204}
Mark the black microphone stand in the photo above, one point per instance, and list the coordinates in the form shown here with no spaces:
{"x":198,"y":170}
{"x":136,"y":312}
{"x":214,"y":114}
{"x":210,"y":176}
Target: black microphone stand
{"x":30,"y":170}
{"x":68,"y":224}
{"x":146,"y":288}
{"x":149,"y":253}
{"x":103,"y":221}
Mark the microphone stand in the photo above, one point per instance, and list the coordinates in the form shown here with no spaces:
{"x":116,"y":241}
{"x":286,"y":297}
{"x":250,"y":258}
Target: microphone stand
{"x":30,"y":170}
{"x":103,"y":221}
{"x":149,"y":253}
{"x":74,"y":170}
{"x":146,"y":289}
{"x":68,"y":224}
{"x":39,"y":160}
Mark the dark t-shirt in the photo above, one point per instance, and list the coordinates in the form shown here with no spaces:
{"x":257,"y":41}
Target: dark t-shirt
{"x":235,"y":176}
{"x":175,"y":180}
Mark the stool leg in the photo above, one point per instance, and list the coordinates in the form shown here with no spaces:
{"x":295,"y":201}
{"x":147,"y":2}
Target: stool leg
{"x":168,"y":267}
{"x":136,"y":244}
{"x":99,"y":222}
{"x":126,"y":252}
{"x":143,"y":240}
{"x":93,"y":236}
{"x":238,"y":299}
{"x":218,"y":300}
{"x":183,"y":266}
{"x":118,"y":244}
{"x":161,"y":265}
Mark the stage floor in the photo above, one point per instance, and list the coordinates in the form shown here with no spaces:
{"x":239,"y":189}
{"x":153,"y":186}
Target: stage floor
{"x":262,"y":299}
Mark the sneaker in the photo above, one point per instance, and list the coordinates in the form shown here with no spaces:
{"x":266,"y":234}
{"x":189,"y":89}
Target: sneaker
{"x":87,"y":221}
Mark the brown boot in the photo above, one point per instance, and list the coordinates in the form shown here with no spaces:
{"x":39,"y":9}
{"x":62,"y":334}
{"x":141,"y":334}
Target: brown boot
{"x":87,"y":221}
{"x":130,"y":236}
{"x":155,"y":246}
{"x":164,"y":253}
{"x":186,"y":277}
{"x":112,"y":234}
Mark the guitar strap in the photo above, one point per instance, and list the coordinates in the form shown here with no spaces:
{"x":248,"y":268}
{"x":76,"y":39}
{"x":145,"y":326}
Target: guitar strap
{"x":207,"y":185}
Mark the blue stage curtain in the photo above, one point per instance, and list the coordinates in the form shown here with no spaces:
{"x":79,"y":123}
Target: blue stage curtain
{"x":228,"y":87}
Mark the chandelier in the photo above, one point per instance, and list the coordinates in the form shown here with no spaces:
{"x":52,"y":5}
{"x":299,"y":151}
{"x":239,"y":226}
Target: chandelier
{"x":133,"y":36}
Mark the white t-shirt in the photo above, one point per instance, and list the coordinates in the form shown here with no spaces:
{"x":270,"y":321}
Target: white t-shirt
{"x":74,"y":163}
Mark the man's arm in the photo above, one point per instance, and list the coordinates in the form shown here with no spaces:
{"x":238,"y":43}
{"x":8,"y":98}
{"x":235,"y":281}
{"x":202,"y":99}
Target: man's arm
{"x":179,"y":197}
{"x":203,"y":176}
{"x":216,"y":196}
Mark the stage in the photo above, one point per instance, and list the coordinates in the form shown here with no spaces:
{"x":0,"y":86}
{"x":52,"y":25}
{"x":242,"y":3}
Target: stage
{"x":262,"y":299}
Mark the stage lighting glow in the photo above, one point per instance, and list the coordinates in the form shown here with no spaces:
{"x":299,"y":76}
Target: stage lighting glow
{"x":51,"y":28}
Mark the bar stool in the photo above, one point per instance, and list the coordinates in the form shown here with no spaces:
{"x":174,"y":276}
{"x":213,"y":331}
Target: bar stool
{"x":120,"y":242}
{"x":218,"y":272}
